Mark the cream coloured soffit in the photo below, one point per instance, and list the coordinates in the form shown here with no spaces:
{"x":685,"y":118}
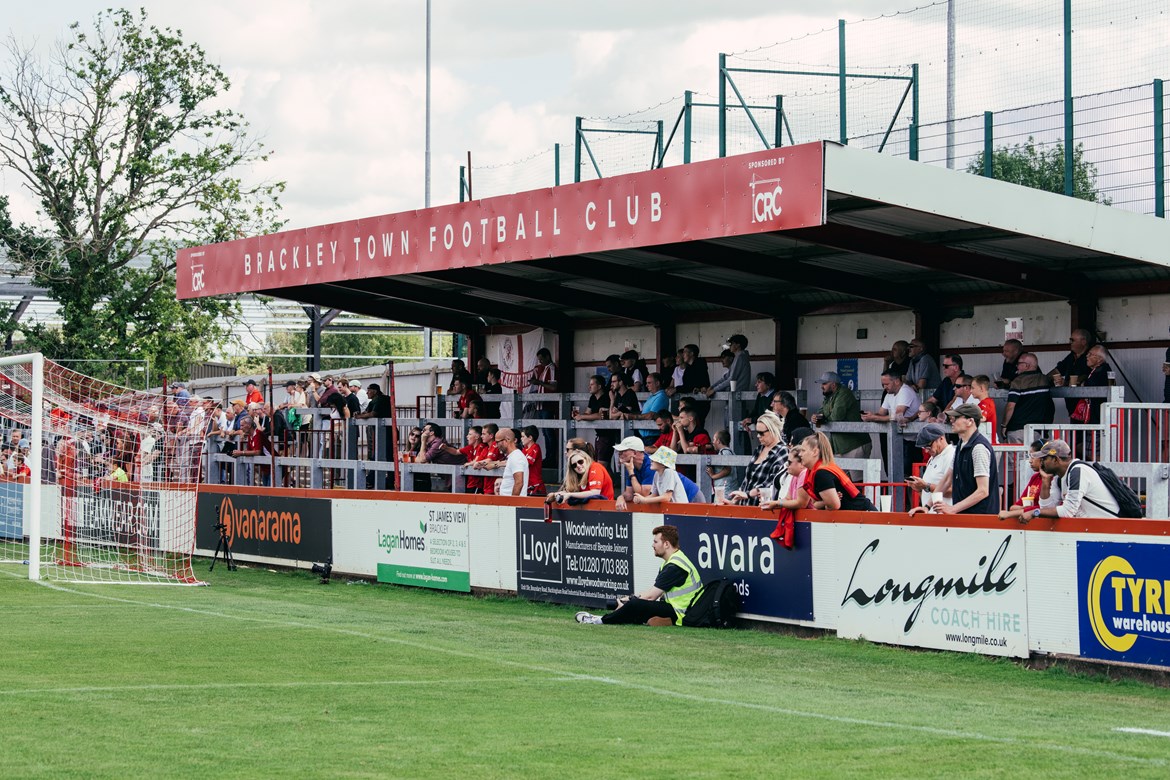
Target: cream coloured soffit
{"x":996,"y":204}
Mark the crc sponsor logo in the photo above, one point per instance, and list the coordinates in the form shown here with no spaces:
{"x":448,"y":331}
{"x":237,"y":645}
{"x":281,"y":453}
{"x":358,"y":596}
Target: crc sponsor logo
{"x":259,"y":524}
{"x":988,"y":575}
{"x":403,"y":541}
{"x":197,"y":283}
{"x":765,"y":199}
{"x":1125,"y":611}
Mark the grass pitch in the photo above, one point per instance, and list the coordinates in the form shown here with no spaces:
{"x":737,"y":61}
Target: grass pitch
{"x":269,"y":674}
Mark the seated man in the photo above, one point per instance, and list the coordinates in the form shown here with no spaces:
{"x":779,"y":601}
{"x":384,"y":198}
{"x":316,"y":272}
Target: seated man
{"x":677,"y":585}
{"x":665,"y":422}
{"x":638,"y":474}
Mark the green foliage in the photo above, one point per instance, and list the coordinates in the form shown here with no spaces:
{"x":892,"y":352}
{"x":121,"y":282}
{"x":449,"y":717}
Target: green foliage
{"x":1042,"y":168}
{"x":375,"y":346}
{"x":117,"y":141}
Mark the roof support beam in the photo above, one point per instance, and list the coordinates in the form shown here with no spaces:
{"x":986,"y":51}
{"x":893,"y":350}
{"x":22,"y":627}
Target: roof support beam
{"x":451,"y":301}
{"x":663,"y":282}
{"x":785,"y":269}
{"x":553,"y":292}
{"x":330,"y":296}
{"x":940,"y":258}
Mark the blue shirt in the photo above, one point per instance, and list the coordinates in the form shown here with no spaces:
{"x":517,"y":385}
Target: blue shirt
{"x":657,"y":402}
{"x":690,"y":487}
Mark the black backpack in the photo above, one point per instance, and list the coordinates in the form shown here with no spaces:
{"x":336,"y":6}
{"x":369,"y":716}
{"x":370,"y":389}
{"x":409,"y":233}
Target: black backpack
{"x":1128,"y":502}
{"x":715,"y":606}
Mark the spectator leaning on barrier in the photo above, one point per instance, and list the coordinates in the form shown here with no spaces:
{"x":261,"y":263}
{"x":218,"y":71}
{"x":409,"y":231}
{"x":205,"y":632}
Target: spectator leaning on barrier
{"x":923,"y":371}
{"x":657,"y":402}
{"x":667,"y":487}
{"x":638,"y":474}
{"x":665,"y":422}
{"x":1088,"y":410}
{"x":765,"y":389}
{"x":585,"y":479}
{"x":945,"y":391}
{"x":784,"y":404}
{"x":826,"y":484}
{"x":1030,"y":499}
{"x":471,"y":451}
{"x":767,"y":465}
{"x":252,"y":393}
{"x":1029,"y":400}
{"x":1012,"y":349}
{"x":1075,"y":490}
{"x":1073,"y":367}
{"x":975,"y":475}
{"x":935,"y":482}
{"x":677,"y":585}
{"x":378,"y":405}
{"x":840,"y":405}
{"x":515,"y":479}
{"x":491,"y":409}
{"x":530,"y":441}
{"x":901,"y":402}
{"x":740,"y":371}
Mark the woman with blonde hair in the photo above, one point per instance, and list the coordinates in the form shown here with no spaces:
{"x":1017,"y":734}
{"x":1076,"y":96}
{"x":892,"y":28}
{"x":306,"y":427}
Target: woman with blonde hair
{"x":584,"y":479}
{"x":826,"y":484}
{"x":769,"y":463}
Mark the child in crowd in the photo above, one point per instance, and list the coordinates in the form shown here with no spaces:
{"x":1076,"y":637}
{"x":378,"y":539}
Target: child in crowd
{"x":1030,"y":498}
{"x":471,"y":452}
{"x":724,"y":479}
{"x":489,"y":457}
{"x":530,"y":446}
{"x":980,"y":387}
{"x":667,"y":485}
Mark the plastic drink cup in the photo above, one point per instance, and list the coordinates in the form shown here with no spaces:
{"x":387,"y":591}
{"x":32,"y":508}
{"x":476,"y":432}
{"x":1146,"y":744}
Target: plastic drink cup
{"x":719,"y":494}
{"x":766,"y":494}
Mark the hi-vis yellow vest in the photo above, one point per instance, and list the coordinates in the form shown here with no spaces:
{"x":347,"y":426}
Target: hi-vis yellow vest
{"x":681,"y":597}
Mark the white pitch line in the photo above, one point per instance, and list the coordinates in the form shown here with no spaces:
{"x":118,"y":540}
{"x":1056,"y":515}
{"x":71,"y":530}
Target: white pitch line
{"x":664,"y":692}
{"x":280,"y":685}
{"x":1148,"y":732}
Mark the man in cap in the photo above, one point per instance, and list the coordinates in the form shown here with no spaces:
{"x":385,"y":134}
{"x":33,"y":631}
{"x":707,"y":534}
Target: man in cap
{"x":252,"y":394}
{"x":378,"y":405}
{"x":1076,"y":489}
{"x":352,"y":400}
{"x":841,"y":405}
{"x":638,"y":474}
{"x":975,"y":475}
{"x":936,"y":477}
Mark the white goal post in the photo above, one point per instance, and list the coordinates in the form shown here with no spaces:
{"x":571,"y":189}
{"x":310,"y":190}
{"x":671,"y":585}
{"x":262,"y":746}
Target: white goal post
{"x":98,"y":482}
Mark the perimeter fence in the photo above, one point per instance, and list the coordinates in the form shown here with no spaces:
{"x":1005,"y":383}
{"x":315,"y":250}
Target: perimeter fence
{"x":950,"y":83}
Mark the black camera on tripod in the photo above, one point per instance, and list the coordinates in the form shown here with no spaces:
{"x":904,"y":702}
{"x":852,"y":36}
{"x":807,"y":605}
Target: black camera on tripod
{"x":324,"y":569}
{"x":224,"y":545}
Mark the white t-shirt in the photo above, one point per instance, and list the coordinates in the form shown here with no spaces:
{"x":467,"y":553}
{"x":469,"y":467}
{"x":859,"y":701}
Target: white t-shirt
{"x":516,"y":462}
{"x":146,"y":450}
{"x":904,"y":397}
{"x":936,"y":469}
{"x":667,"y":481}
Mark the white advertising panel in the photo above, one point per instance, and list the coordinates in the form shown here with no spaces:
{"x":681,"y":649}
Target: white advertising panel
{"x":404,"y":542}
{"x":945,"y":588}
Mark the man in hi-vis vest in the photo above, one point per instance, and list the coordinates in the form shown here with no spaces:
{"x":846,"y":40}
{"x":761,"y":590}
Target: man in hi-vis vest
{"x":677,"y":585}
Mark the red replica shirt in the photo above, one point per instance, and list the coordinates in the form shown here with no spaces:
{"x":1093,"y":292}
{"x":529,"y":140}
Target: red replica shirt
{"x":987,"y":406}
{"x":254,"y":397}
{"x":599,"y":479}
{"x":1032,"y":490}
{"x":535,"y":463}
{"x":491,"y":452}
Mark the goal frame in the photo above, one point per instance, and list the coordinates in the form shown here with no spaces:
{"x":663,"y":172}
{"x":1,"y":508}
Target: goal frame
{"x":36,"y":435}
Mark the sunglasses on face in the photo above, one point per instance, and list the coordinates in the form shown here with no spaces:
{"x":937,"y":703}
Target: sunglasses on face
{"x":578,"y":464}
{"x":761,"y":431}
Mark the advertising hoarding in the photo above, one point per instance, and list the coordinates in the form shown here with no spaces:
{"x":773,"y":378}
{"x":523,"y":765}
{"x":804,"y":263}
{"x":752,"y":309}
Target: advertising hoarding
{"x":1124,"y":601}
{"x":581,"y":557}
{"x":772,"y":581}
{"x":960,"y":589}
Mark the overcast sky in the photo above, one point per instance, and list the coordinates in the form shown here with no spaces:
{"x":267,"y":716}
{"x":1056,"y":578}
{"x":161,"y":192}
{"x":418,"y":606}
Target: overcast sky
{"x":336,"y":89}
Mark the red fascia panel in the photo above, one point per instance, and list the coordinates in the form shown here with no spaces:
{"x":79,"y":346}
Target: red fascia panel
{"x":777,"y":189}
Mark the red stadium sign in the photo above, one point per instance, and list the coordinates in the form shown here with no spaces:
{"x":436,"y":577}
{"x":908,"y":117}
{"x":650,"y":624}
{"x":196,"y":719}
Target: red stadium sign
{"x":778,"y":189}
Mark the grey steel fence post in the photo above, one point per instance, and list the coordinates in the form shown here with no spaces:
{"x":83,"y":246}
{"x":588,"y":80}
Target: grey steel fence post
{"x":722,"y":105}
{"x":842,"y":80}
{"x":688,"y":108}
{"x":577,"y":152}
{"x":914,"y":112}
{"x":556,"y":165}
{"x":989,"y":144}
{"x":1159,"y":152}
{"x":1069,"y":140}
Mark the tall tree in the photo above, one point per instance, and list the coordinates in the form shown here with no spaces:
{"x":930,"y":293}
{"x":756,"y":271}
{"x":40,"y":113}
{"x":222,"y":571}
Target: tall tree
{"x":120,"y":142}
{"x":1042,"y":168}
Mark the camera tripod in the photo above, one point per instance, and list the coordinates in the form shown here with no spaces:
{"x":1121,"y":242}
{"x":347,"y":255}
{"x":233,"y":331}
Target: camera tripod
{"x":225,"y":545}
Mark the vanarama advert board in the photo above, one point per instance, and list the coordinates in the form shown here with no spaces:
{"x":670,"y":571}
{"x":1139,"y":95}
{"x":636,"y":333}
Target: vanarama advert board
{"x":262,"y":525}
{"x":405,"y":542}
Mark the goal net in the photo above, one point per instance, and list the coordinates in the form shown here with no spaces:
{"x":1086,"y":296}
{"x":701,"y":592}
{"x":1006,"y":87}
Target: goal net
{"x":100,"y":484}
